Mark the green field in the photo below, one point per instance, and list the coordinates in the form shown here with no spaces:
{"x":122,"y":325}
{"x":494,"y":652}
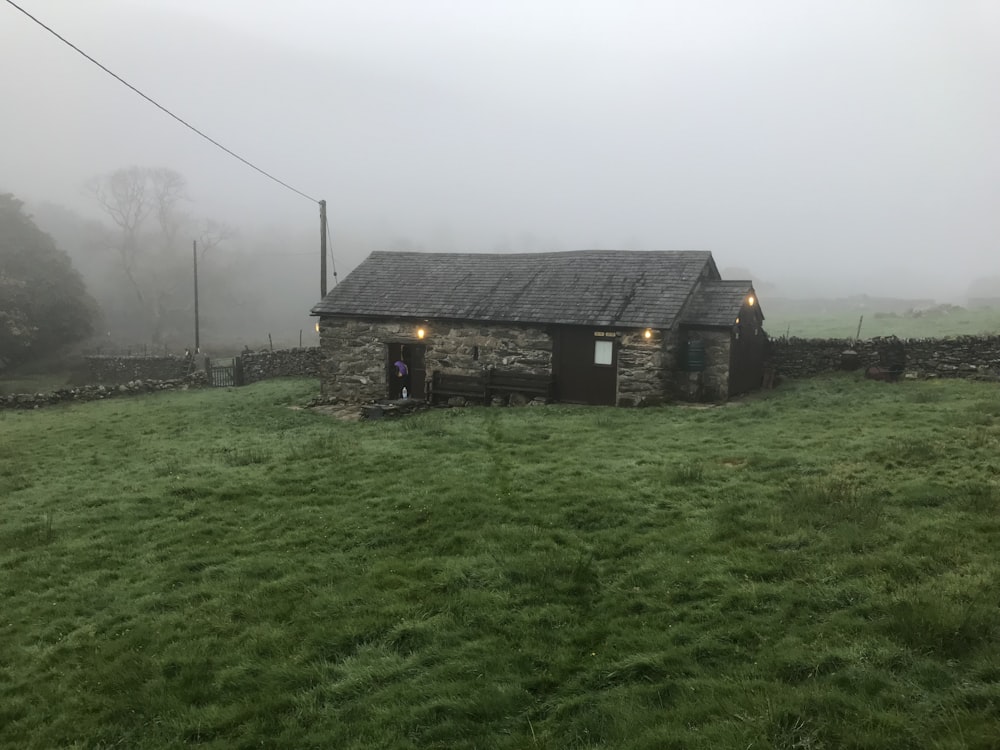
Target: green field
{"x":924,"y":324}
{"x":815,"y":567}
{"x":19,"y":383}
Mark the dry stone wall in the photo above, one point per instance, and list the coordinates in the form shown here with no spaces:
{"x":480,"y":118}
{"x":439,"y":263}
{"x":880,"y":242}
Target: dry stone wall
{"x":99,"y":392}
{"x":114,"y":370}
{"x":962,"y":356}
{"x":282,"y":363}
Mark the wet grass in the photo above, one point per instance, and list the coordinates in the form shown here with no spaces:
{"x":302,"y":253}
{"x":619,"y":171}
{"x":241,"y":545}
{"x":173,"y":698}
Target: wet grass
{"x":812,"y":568}
{"x":33,"y":383}
{"x":936,"y":323}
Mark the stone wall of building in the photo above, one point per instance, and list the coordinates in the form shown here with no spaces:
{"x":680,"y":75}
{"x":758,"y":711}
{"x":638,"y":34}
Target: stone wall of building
{"x":711,"y":383}
{"x":353,"y":367}
{"x":468,"y":348}
{"x":962,"y":356}
{"x":282,"y":363}
{"x":642,"y":369}
{"x":115,"y":370}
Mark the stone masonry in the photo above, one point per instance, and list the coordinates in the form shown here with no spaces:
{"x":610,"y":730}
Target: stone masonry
{"x":712,"y":383}
{"x":97,"y":392}
{"x":281,"y":363}
{"x":453,"y":346}
{"x":115,"y":370}
{"x":642,"y":374}
{"x":354,"y":367}
{"x":961,"y":356}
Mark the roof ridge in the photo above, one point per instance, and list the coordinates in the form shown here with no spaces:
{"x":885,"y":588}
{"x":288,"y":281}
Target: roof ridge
{"x":547,"y":253}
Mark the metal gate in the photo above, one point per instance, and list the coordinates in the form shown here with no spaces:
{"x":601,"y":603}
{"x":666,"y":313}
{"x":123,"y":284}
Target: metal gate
{"x":226,"y":376}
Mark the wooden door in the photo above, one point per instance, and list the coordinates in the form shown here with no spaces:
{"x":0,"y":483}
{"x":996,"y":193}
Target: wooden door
{"x":746,"y":357}
{"x":585,"y":366}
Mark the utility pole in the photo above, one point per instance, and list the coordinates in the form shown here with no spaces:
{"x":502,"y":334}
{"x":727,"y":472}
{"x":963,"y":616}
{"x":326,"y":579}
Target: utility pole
{"x":197,"y":341}
{"x":322,"y":249}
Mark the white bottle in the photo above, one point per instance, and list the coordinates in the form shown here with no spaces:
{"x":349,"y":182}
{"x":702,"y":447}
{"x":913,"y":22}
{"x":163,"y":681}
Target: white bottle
{"x":405,"y":394}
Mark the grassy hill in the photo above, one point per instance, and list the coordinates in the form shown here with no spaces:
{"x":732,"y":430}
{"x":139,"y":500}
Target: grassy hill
{"x":812,"y":568}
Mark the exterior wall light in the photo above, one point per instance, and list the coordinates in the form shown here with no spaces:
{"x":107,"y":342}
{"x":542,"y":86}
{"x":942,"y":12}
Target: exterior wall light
{"x":421,"y":333}
{"x":751,"y":300}
{"x":317,"y":326}
{"x":647,"y":334}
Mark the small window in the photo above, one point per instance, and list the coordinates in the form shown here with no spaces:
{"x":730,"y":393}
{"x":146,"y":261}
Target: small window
{"x":603,"y":352}
{"x":475,"y":353}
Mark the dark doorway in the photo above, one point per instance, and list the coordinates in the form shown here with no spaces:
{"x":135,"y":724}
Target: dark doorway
{"x":413,"y":356}
{"x":746,"y":356}
{"x":585,"y":366}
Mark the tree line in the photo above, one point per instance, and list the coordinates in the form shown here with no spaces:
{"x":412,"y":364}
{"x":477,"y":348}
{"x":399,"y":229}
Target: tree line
{"x":43,"y":301}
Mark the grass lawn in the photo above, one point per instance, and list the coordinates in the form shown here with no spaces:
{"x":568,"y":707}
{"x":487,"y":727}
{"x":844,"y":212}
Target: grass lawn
{"x":816,"y":567}
{"x":32,"y":383}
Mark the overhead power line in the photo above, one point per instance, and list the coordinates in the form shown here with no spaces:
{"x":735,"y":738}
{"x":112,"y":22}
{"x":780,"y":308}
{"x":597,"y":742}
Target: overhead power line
{"x":156,"y":104}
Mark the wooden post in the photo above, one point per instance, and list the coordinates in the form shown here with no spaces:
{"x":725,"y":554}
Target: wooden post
{"x":322,"y":249}
{"x":197,"y":339}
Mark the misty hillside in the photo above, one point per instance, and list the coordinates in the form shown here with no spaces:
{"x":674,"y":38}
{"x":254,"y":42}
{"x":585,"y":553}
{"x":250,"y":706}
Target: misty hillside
{"x":762,"y":132}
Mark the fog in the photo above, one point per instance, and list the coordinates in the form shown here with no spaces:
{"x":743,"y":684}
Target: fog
{"x":829,"y":147}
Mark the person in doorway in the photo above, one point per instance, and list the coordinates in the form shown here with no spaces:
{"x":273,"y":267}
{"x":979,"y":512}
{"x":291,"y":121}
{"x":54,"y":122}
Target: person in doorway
{"x":402,"y":377}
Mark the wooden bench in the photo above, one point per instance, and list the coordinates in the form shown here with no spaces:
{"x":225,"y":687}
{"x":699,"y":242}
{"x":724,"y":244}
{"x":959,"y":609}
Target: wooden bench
{"x":501,"y":383}
{"x":482,"y":388}
{"x":445,"y":386}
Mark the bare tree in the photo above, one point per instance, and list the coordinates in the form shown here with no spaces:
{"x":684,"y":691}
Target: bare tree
{"x":129,"y":197}
{"x":168,"y":189}
{"x":212,"y":233}
{"x":124,"y":197}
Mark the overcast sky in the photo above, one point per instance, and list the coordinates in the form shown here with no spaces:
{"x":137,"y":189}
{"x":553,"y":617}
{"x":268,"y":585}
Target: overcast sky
{"x":806,"y":140}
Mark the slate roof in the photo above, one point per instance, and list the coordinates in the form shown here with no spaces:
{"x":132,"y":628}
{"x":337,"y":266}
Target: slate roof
{"x":588,"y":287}
{"x":717,"y":303}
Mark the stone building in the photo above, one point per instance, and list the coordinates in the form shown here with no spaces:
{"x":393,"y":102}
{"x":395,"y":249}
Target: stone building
{"x":594,"y":327}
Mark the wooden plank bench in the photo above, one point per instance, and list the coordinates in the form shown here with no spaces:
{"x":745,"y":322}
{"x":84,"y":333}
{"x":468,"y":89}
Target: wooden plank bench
{"x":482,"y":388}
{"x":501,"y":383}
{"x":445,"y":386}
